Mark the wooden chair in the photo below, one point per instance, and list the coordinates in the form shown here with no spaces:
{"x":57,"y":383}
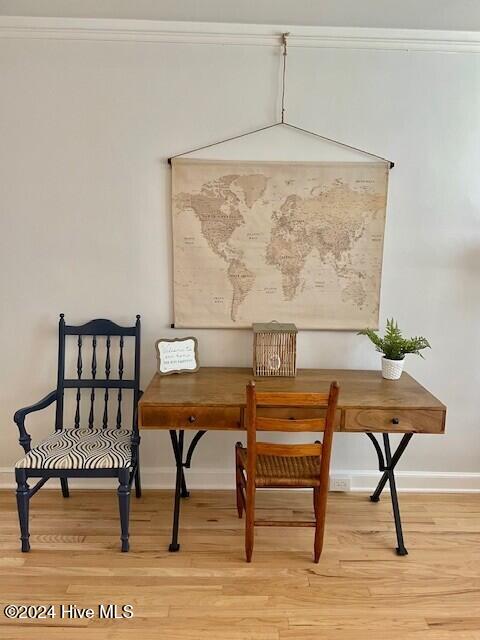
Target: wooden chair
{"x":83,"y":449}
{"x":266,"y":465}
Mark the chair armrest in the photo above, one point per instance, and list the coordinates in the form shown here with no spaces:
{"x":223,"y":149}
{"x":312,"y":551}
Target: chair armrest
{"x":20,"y":415}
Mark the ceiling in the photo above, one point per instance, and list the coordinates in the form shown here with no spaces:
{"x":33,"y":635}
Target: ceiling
{"x":408,"y":14}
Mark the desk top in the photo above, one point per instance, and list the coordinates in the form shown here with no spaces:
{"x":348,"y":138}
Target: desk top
{"x":225,"y":387}
{"x":214,"y":398}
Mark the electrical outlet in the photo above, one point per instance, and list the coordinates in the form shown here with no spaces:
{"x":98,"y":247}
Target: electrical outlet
{"x":340,"y":483}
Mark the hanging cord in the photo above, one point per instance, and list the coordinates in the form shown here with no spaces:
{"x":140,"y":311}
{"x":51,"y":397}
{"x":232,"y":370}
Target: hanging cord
{"x":312,"y":133}
{"x":214,"y":144}
{"x":284,"y":74}
{"x":249,"y":133}
{"x":282,"y":122}
{"x":341,"y":144}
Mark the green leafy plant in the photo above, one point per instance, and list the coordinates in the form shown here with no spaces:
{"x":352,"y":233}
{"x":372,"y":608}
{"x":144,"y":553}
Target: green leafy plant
{"x":393,"y":345}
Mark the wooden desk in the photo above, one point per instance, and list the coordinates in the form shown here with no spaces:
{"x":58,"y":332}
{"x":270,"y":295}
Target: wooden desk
{"x":214,"y":399}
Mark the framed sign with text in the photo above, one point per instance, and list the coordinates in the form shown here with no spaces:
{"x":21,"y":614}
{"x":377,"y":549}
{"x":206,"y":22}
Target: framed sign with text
{"x":177,"y":355}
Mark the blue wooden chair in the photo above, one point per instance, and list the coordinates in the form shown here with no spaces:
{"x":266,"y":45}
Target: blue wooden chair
{"x":83,"y":450}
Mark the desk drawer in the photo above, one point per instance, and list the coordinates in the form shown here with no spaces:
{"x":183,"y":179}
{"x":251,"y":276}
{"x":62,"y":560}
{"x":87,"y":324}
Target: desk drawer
{"x":297,"y":413}
{"x":190,"y":417}
{"x":401,"y":420}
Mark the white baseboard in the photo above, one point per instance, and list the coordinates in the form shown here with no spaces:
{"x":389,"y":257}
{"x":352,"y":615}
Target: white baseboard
{"x":164,"y":478}
{"x":419,"y":481}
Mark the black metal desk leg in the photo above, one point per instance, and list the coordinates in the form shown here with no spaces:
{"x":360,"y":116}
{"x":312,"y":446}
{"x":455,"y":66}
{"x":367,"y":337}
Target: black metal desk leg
{"x":184,"y":493}
{"x":180,"y":484}
{"x":401,"y":550}
{"x":387,"y":465}
{"x":177,"y":444}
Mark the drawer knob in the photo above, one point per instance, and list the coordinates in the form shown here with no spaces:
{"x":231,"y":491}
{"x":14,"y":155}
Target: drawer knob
{"x":395,"y":421}
{"x":191,"y":419}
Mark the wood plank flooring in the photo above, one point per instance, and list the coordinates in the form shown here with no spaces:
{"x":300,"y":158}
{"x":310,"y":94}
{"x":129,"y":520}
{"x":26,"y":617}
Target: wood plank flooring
{"x":360,"y":590}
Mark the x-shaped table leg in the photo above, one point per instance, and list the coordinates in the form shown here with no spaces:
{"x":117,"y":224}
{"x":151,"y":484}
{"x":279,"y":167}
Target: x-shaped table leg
{"x":387,"y":464}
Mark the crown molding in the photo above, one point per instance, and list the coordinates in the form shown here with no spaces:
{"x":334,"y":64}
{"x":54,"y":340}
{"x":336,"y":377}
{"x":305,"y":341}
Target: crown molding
{"x":109,"y":30}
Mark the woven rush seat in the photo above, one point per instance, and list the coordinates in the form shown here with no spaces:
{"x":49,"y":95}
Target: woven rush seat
{"x":81,"y":448}
{"x":284,"y":471}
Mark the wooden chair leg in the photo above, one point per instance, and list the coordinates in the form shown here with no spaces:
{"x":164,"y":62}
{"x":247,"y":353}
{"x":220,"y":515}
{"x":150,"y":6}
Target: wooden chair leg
{"x":124,"y":506}
{"x":239,"y":496}
{"x":320,"y":508}
{"x":65,"y":491}
{"x":249,"y":520}
{"x":23,"y":507}
{"x":238,"y":473}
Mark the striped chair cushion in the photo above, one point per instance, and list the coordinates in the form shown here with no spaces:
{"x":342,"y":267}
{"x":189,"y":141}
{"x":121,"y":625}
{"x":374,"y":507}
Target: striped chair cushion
{"x":81,"y":449}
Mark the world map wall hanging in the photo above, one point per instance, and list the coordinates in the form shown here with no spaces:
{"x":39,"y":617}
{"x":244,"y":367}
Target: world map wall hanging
{"x":296,"y":242}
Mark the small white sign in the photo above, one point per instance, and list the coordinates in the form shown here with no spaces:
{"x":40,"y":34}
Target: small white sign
{"x":178,"y":355}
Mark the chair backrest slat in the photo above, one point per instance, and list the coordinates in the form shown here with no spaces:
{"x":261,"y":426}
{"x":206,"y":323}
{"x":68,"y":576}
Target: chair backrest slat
{"x":74,"y":383}
{"x":100,"y":327}
{"x":116,"y":337}
{"x":91,"y":415}
{"x":290,"y":450}
{"x":285,"y":424}
{"x":79,"y":376}
{"x":296,"y":399}
{"x":120,"y":376}
{"x":107,"y":377}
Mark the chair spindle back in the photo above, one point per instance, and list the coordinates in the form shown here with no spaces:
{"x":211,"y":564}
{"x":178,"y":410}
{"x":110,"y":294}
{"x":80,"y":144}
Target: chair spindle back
{"x":96,"y":329}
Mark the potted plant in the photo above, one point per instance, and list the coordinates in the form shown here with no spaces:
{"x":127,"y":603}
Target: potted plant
{"x":394,"y":348}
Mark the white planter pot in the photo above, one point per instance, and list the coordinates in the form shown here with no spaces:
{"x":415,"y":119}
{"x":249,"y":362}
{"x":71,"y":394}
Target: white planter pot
{"x":392,"y":369}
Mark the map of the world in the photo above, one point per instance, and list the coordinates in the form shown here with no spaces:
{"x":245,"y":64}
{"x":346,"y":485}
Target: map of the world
{"x":295,"y":242}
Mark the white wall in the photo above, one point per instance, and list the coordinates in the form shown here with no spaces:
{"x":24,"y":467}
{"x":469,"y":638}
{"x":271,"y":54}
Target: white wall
{"x":85,"y":130}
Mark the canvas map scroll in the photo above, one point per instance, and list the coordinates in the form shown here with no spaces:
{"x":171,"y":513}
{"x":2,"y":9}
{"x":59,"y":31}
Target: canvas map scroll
{"x":295,"y":242}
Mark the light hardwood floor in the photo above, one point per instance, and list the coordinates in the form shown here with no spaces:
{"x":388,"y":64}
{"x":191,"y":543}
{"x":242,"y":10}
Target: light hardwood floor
{"x":360,"y":589}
